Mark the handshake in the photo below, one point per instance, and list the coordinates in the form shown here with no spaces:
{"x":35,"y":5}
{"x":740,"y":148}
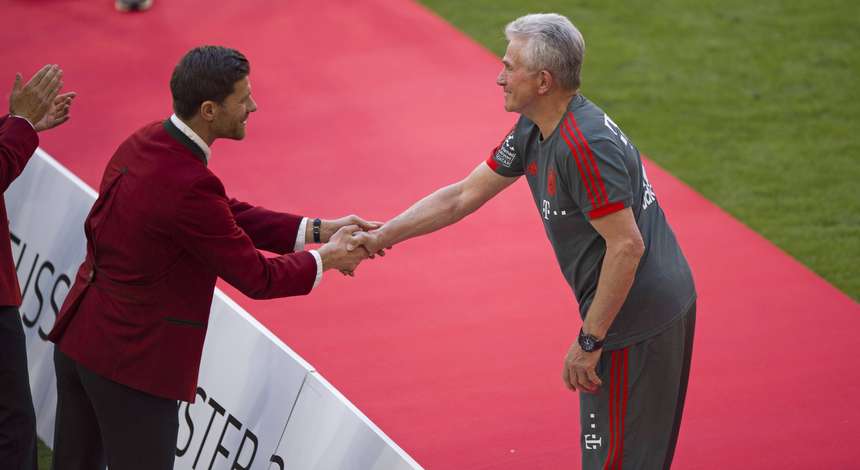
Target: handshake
{"x":347,"y":242}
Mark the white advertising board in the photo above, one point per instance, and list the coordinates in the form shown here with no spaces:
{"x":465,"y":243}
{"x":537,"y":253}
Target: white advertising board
{"x":327,"y":432}
{"x":46,"y":205}
{"x":249,"y":382}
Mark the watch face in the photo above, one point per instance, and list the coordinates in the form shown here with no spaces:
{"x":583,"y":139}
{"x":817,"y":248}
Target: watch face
{"x":587,"y":344}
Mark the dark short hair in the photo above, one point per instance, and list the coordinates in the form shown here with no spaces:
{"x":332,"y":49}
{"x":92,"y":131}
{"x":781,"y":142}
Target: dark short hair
{"x":205,"y":73}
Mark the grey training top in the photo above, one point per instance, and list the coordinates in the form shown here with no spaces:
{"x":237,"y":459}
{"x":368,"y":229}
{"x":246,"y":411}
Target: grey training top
{"x":586,"y":169}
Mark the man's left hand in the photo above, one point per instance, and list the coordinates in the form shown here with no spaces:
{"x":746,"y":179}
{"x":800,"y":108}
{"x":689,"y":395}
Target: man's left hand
{"x":58,"y":112}
{"x":330,"y":227}
{"x":580,"y":369}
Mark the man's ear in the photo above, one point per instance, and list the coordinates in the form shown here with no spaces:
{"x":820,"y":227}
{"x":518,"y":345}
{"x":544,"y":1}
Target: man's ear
{"x":208,"y":110}
{"x":546,"y":82}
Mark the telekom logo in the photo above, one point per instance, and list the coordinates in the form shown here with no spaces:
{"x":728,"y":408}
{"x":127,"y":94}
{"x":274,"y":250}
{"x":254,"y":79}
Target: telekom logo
{"x":593,"y":441}
{"x":546,"y":209}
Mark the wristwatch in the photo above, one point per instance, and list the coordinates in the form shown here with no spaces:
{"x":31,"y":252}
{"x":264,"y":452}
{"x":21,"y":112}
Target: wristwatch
{"x":589,"y":343}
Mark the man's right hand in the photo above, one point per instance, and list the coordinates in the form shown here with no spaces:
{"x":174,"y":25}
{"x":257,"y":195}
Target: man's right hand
{"x":372,"y":241}
{"x":58,"y":112}
{"x":33,"y":100}
{"x":343,"y":252}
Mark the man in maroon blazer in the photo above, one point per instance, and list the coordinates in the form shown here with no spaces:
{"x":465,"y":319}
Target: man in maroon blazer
{"x":130,"y":333}
{"x":33,"y":107}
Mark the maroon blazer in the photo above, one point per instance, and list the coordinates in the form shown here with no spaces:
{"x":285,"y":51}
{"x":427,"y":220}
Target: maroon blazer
{"x":160,"y":233}
{"x":18,"y":141}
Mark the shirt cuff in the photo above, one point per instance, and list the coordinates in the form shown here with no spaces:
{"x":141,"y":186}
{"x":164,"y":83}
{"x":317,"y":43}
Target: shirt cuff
{"x":607,"y":209}
{"x":318,"y":258}
{"x":28,"y":121}
{"x":300,"y":238}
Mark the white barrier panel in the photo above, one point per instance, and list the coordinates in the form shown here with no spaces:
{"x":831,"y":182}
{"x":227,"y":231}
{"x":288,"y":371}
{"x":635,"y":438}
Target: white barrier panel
{"x":326,"y":432}
{"x":47,"y":206}
{"x":250,"y":385}
{"x":249,"y":381}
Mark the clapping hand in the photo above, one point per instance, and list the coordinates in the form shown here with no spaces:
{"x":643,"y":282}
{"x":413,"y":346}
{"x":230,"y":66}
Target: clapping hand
{"x":39,"y":101}
{"x":58,"y":112}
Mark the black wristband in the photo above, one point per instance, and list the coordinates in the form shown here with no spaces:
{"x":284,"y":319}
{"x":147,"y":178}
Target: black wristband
{"x":317,"y":223}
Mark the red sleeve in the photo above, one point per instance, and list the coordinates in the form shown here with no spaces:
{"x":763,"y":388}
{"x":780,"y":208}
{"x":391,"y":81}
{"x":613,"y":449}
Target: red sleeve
{"x":269,"y":230}
{"x":206,"y":228}
{"x":18,"y":141}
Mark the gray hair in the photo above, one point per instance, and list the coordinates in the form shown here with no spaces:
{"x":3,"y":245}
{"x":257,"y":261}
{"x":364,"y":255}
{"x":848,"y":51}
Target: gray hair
{"x":552,"y":43}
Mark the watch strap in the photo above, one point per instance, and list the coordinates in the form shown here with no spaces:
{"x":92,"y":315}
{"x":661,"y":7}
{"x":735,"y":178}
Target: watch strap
{"x":316,"y":230}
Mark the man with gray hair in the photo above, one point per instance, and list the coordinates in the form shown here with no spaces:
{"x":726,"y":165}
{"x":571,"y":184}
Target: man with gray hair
{"x":611,"y":238}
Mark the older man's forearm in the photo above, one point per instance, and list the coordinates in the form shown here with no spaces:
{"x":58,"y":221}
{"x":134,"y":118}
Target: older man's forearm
{"x":438,"y":210}
{"x":616,"y":278}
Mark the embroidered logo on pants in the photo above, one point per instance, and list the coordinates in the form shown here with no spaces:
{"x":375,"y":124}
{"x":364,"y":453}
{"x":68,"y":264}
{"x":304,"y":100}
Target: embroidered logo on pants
{"x":592,"y":441}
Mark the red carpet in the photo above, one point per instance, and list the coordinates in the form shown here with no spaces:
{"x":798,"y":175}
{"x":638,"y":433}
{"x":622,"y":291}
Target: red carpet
{"x":453,"y":343}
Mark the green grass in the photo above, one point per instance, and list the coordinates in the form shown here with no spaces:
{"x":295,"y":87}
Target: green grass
{"x":44,"y":456}
{"x":753,"y":104}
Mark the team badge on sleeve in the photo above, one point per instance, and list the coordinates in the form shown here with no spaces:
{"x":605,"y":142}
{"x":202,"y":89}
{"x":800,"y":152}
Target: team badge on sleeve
{"x":506,"y":153}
